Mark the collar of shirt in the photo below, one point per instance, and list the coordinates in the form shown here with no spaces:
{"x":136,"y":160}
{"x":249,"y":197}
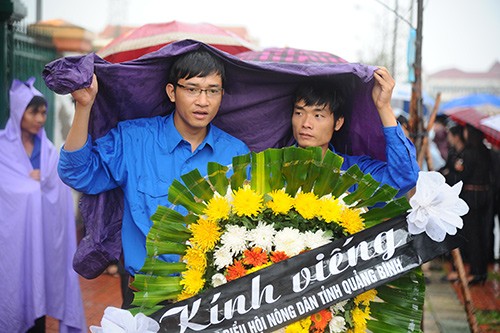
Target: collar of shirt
{"x":174,"y":138}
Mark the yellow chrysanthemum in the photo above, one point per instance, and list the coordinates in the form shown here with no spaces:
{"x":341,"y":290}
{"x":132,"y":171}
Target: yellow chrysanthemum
{"x":184,"y":295}
{"x":351,"y":221}
{"x":281,"y":203}
{"x":255,"y":269}
{"x":217,"y":208}
{"x":205,"y":234}
{"x":359,"y":318}
{"x":330,"y":209}
{"x":301,"y":326}
{"x":195,"y":259}
{"x":247,"y":202}
{"x":366,"y":297}
{"x":307,"y":204}
{"x":193,"y":281}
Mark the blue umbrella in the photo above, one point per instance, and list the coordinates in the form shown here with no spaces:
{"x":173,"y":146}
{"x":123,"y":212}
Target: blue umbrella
{"x":470,"y":101}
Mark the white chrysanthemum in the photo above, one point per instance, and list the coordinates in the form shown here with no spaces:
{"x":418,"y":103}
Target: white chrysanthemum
{"x":235,"y":238}
{"x":218,"y":279}
{"x":338,"y":307}
{"x":262,"y":236}
{"x":436,"y":207}
{"x":290,"y":241}
{"x":337,"y":324}
{"x":223,"y":257}
{"x":315,"y":239}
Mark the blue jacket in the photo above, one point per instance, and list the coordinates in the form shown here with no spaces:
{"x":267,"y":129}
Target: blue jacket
{"x":142,"y":157}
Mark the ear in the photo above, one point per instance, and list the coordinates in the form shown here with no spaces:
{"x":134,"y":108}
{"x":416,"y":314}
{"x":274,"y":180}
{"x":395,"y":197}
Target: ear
{"x":170,"y":89}
{"x":338,"y":123}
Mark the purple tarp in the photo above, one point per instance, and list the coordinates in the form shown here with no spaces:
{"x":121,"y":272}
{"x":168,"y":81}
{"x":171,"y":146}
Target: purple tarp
{"x":256,"y":108}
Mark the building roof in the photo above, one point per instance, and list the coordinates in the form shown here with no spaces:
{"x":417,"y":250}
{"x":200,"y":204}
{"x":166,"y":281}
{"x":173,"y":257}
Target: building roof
{"x":454,"y":73}
{"x":65,"y":35}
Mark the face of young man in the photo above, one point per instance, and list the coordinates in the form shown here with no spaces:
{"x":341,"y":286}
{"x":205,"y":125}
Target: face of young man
{"x":313,"y":126}
{"x":197,"y":102}
{"x":33,"y":119}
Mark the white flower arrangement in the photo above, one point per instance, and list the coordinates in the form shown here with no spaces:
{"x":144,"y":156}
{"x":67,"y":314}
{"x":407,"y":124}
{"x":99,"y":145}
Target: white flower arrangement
{"x":122,"y":321}
{"x":436,"y":207}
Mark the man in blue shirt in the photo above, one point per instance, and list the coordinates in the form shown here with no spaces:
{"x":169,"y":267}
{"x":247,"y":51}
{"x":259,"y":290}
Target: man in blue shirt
{"x":319,"y":113}
{"x":143,"y":156}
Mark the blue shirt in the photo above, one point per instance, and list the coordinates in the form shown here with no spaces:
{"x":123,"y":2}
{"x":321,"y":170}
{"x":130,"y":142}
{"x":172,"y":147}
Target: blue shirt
{"x":35,"y":154}
{"x":401,"y":169}
{"x":143,"y":157}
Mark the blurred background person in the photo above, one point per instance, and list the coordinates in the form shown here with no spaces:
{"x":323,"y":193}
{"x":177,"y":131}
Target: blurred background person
{"x":441,"y":135}
{"x":37,"y":224}
{"x":476,"y":173}
{"x":456,"y":146}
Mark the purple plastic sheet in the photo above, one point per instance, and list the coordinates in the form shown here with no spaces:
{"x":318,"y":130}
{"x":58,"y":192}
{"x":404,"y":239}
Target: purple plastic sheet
{"x":256,"y":108}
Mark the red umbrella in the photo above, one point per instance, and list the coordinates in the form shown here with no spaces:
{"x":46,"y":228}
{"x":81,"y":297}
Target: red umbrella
{"x":151,"y":37}
{"x":483,"y":117}
{"x":288,"y":54}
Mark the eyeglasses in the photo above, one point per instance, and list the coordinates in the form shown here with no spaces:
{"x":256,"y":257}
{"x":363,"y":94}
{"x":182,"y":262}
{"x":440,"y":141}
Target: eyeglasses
{"x":195,"y":92}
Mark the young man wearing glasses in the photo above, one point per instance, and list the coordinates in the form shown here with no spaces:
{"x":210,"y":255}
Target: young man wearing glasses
{"x":143,"y":156}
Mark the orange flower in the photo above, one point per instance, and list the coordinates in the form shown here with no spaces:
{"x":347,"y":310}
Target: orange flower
{"x":255,"y":257}
{"x":235,"y":271}
{"x":278,"y":256}
{"x":320,"y":320}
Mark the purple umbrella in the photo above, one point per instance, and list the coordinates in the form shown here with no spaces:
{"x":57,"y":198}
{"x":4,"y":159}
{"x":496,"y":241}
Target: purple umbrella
{"x":291,"y":55}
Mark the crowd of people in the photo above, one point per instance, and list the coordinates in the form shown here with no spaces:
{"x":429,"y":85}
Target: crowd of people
{"x":143,"y":156}
{"x":471,"y":160}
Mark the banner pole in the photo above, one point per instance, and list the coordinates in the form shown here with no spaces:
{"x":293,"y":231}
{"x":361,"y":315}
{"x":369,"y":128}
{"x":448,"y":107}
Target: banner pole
{"x":464,"y":286}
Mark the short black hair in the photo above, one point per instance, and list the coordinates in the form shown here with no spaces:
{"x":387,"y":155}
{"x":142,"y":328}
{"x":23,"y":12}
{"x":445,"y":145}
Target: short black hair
{"x":322,"y":92}
{"x":457,"y":130}
{"x":198,"y":63}
{"x":37,"y":102}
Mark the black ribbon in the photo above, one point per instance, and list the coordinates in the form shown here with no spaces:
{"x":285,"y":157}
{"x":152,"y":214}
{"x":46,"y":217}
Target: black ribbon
{"x":290,"y":290}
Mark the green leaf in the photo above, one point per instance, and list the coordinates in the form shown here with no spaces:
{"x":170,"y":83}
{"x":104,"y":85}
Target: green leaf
{"x":162,"y":268}
{"x":165,"y":247}
{"x":240,"y":165}
{"x":148,"y":299}
{"x":352,"y":176}
{"x":198,"y":185}
{"x":392,"y":209}
{"x":178,"y":194}
{"x":217,"y":174}
{"x":295,"y":167}
{"x":167,"y":215}
{"x":260,"y":181}
{"x":314,"y":168}
{"x":383,"y":194}
{"x":366,"y":187}
{"x":274,"y":162}
{"x":380,"y":327}
{"x":151,"y":283}
{"x":148,"y":312}
{"x":401,"y":309}
{"x":329,"y":174}
{"x":168,"y":232}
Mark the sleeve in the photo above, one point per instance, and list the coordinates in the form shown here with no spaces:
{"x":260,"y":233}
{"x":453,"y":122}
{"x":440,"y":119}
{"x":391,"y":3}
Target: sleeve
{"x":94,"y":168}
{"x":401,"y":169}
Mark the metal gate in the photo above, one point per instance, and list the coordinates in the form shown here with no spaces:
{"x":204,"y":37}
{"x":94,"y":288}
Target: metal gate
{"x":24,"y":56}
